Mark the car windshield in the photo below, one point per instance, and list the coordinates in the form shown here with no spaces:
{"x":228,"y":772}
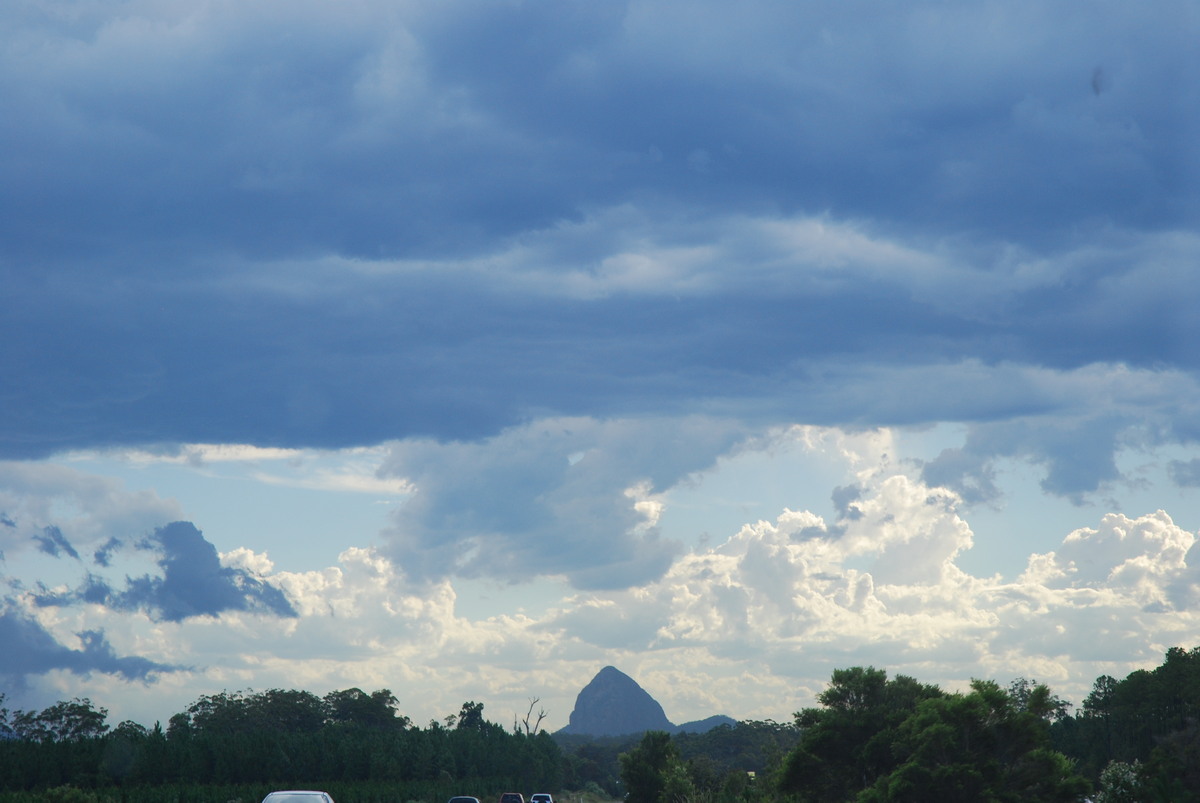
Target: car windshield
{"x":295,"y":797}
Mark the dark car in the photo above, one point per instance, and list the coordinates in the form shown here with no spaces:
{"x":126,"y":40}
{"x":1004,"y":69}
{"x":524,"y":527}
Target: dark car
{"x":512,"y":797}
{"x":463,"y":799}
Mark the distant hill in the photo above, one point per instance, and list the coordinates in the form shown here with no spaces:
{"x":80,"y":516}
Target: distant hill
{"x":613,"y":704}
{"x":705,"y":725}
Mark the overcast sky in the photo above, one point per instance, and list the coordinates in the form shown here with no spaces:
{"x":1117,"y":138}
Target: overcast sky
{"x":463,"y":348}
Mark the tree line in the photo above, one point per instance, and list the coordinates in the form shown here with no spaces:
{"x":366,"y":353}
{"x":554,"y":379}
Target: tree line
{"x":719,"y":763}
{"x":275,"y":737}
{"x":1141,"y":733}
{"x":872,"y":739}
{"x":876,"y":739}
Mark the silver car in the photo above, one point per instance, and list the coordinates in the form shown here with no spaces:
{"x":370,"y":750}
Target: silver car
{"x":298,"y":796}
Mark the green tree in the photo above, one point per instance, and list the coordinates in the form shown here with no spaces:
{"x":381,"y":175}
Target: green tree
{"x":1037,"y":699}
{"x":63,"y":721}
{"x":470,"y":717}
{"x":1173,"y":770}
{"x":677,"y":784}
{"x":748,"y":746}
{"x":847,"y":744}
{"x":286,"y":711}
{"x":965,"y":748}
{"x":1119,"y":784}
{"x":645,"y":768}
{"x":1128,"y":720}
{"x":356,"y":707}
{"x":222,"y":713}
{"x":6,"y":731}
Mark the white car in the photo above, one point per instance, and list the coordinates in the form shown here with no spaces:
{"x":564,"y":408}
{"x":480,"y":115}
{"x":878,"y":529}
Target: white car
{"x":541,"y":797}
{"x":298,"y":796}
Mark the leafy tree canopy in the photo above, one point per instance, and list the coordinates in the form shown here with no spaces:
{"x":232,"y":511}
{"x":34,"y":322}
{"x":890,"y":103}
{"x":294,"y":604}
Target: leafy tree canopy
{"x":645,"y":769}
{"x":878,"y":741}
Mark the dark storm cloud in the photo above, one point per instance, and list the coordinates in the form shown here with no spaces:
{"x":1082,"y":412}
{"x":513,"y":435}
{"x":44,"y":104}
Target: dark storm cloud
{"x":193,"y":582}
{"x":29,"y":649}
{"x":51,"y":541}
{"x":843,"y":502}
{"x":333,"y":227}
{"x":369,"y":360}
{"x":103,"y":555}
{"x":437,"y":130}
{"x":94,"y":590}
{"x":1078,"y":457}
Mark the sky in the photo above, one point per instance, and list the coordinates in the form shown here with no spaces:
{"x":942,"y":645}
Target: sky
{"x":463,"y":348}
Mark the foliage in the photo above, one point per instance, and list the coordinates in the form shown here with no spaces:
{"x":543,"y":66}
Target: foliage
{"x":63,"y":721}
{"x":1119,"y":783}
{"x":595,"y":761}
{"x":342,"y":792}
{"x":470,"y":717}
{"x":374,"y":710}
{"x":878,"y":740}
{"x":754,"y":746}
{"x":848,"y":744}
{"x":272,"y":738}
{"x":1172,"y":772}
{"x":734,"y":763}
{"x":721,"y":763}
{"x":677,"y":786}
{"x":872,"y":739}
{"x":646,"y":769}
{"x":1146,"y":719}
{"x":1037,"y":699}
{"x":976,"y":746}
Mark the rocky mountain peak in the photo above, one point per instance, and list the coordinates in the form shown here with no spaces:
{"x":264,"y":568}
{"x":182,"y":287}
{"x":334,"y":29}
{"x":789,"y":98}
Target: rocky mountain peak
{"x":613,"y":704}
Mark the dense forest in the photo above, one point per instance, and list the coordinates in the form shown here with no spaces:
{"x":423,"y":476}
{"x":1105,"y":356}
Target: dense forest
{"x":875,"y":739}
{"x":872,"y":739}
{"x":719,"y":763}
{"x":258,"y":741}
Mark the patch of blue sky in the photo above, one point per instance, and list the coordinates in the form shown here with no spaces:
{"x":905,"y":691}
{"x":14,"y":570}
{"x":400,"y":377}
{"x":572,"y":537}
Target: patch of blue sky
{"x":301,"y":507}
{"x":748,"y":486}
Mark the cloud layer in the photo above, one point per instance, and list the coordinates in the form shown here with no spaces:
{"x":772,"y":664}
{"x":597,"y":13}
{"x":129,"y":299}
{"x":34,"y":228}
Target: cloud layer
{"x":193,"y":581}
{"x":573,"y":497}
{"x":550,"y":265}
{"x":286,"y":226}
{"x":760,"y":616}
